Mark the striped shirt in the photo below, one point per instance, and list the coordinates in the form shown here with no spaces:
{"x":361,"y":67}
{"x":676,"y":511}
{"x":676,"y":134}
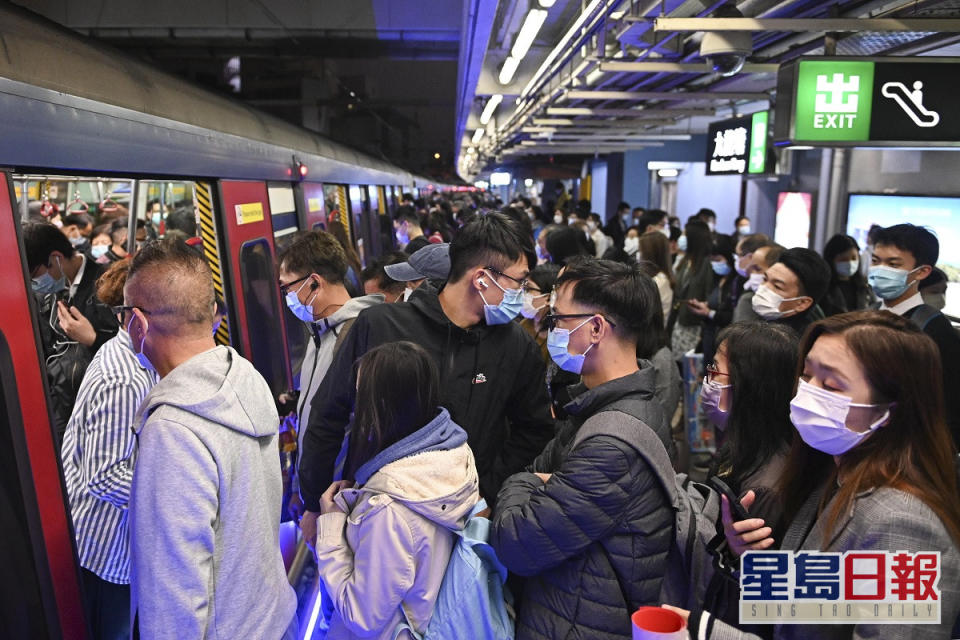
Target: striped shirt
{"x":99,"y":451}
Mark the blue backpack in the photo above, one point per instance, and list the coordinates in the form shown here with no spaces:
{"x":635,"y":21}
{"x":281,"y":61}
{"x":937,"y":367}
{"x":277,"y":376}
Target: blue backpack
{"x":473,"y":599}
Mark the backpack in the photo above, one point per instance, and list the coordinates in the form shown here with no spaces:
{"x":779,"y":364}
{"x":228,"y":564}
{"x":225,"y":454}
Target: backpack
{"x":696,"y":577}
{"x":472,"y":595}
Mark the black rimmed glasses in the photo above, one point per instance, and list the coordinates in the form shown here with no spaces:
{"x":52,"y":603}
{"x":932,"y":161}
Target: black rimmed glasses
{"x":285,"y":288}
{"x":550,"y":320}
{"x":121,"y":311}
{"x":713,"y":371}
{"x":523,"y":284}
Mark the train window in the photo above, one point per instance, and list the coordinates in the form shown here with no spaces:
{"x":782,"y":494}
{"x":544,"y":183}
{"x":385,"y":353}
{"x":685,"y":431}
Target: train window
{"x":258,"y":281}
{"x":167,"y":206}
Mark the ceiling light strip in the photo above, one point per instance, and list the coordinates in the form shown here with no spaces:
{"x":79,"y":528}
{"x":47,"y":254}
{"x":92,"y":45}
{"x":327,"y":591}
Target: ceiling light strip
{"x":916,"y":25}
{"x":677,"y":67}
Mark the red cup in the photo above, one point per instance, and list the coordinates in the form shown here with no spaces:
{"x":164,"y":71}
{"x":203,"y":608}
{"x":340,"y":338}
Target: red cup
{"x":657,"y":623}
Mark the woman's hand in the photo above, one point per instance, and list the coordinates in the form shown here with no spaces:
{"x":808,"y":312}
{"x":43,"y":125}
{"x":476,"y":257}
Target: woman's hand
{"x":327,"y":505}
{"x":683,"y":613}
{"x":745,"y":535}
{"x":698,"y":307}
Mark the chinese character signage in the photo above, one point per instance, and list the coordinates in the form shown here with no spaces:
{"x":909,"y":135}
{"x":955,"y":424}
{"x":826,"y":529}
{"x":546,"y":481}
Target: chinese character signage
{"x":868,"y":102}
{"x":803,"y":587}
{"x":738,"y":146}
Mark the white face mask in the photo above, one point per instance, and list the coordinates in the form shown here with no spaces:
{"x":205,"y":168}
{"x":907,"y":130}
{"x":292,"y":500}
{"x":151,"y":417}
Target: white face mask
{"x":820,"y":417}
{"x":592,"y":226}
{"x":558,"y":219}
{"x":712,"y":226}
{"x":530,"y":308}
{"x":744,"y":229}
{"x":631,"y":245}
{"x":766,"y":303}
{"x":753,"y":282}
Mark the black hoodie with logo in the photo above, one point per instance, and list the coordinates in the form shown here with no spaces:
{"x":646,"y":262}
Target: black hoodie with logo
{"x":492,"y":380}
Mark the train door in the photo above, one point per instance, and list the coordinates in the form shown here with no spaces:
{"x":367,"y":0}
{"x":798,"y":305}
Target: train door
{"x":375,"y":220}
{"x":359,"y":217}
{"x":40,"y":585}
{"x":312,"y":199}
{"x":250,"y":258}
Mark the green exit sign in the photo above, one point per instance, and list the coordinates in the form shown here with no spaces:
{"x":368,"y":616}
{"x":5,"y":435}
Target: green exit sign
{"x":880,"y":102}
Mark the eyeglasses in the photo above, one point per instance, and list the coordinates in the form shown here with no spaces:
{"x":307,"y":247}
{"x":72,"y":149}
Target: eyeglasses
{"x":121,"y":311}
{"x":713,"y":371}
{"x":524,"y":283}
{"x":285,"y":288}
{"x":550,"y":320}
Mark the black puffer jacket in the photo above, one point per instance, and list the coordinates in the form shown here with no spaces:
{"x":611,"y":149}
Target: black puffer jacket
{"x":595,"y":537}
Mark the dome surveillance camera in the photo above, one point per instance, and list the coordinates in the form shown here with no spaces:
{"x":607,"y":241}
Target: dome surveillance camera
{"x":727,"y":51}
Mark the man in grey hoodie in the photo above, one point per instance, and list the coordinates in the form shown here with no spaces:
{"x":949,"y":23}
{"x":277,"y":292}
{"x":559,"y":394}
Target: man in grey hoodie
{"x":205,"y":501}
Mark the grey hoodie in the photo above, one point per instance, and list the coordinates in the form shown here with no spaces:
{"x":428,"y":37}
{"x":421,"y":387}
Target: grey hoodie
{"x":205,"y":506}
{"x":317,"y":358}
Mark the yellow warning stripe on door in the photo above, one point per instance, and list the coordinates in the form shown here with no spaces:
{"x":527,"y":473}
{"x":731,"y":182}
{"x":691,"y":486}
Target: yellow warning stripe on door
{"x":208,"y":233}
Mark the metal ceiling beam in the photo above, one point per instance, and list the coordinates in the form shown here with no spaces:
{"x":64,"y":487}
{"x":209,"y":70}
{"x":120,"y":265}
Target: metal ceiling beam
{"x":628,"y":113}
{"x":916,"y":25}
{"x":614,"y":66}
{"x":665,"y":95}
{"x":595,"y":125}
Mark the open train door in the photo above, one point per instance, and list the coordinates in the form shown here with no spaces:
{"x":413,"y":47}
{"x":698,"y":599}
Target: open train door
{"x":250,"y":258}
{"x":39,"y":576}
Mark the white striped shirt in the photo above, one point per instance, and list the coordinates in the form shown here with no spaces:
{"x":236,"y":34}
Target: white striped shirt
{"x":99,"y":451}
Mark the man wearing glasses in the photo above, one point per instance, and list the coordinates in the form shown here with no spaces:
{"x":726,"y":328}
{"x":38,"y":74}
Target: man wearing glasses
{"x":493,"y":378}
{"x":592,"y":523}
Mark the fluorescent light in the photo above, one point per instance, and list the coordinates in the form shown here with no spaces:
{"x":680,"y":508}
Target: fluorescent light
{"x":668,"y":173}
{"x":528,"y":32}
{"x":477,"y":135}
{"x":508,"y":69}
{"x":574,"y":29}
{"x":500,"y":179}
{"x":490,"y":107}
{"x":528,"y":182}
{"x":546,"y":4}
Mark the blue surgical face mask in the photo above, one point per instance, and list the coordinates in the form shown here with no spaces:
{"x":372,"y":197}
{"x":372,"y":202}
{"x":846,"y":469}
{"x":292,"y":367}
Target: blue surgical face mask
{"x":99,"y":250}
{"x":682,"y":243}
{"x":888,"y":283}
{"x":557,"y":342}
{"x":303,"y":311}
{"x":847,"y":268}
{"x":720,"y":268}
{"x":155,"y":218}
{"x":508,"y":308}
{"x":141,"y":356}
{"x":48,"y":284}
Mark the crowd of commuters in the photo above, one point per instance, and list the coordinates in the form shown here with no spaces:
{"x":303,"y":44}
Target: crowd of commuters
{"x":521,"y":358}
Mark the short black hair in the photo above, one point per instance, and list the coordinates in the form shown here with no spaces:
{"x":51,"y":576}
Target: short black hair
{"x":565,"y":243}
{"x":622,"y":206}
{"x":811,"y":270}
{"x":624,"y":293}
{"x":545,"y":276}
{"x":919,"y":241}
{"x":937,"y":276}
{"x":754,"y":241}
{"x":406,"y":213}
{"x":315,"y":252}
{"x":40,"y":239}
{"x":520,"y":217}
{"x":182,"y":219}
{"x":652,"y":217}
{"x":723,"y":245}
{"x":492,"y":240}
{"x":375,"y":271}
{"x":595,"y":217}
{"x":705,"y":213}
{"x":78,"y":219}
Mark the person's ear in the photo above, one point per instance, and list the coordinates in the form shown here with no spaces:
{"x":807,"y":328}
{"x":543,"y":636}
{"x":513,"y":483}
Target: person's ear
{"x":142,"y":326}
{"x":599,"y":326}
{"x":922,"y":272}
{"x":314,"y":282}
{"x":480,"y":280}
{"x":803,"y":303}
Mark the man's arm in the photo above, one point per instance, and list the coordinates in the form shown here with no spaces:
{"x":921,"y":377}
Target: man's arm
{"x":174,"y":507}
{"x":329,"y":415}
{"x":537,"y":525}
{"x":108,"y":442}
{"x":531,"y":425}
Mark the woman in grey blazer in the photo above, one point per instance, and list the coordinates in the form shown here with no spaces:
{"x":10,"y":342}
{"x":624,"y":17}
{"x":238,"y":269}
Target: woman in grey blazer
{"x":872,"y":467}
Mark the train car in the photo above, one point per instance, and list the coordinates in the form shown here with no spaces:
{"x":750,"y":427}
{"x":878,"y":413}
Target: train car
{"x":84,"y":128}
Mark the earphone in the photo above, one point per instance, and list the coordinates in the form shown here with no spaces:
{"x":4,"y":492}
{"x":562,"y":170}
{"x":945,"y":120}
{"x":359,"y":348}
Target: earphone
{"x":483,"y":282}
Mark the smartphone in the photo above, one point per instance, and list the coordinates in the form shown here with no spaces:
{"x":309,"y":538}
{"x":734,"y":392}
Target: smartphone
{"x":736,"y":509}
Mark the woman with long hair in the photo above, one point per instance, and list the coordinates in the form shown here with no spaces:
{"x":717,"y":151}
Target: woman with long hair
{"x":656,"y":262}
{"x":385,"y":533}
{"x":694,"y":282}
{"x":848,"y":290}
{"x":339,"y":231}
{"x":746,"y":395}
{"x":872,"y":465}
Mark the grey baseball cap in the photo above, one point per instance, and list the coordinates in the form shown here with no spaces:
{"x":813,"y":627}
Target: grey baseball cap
{"x":432,"y":261}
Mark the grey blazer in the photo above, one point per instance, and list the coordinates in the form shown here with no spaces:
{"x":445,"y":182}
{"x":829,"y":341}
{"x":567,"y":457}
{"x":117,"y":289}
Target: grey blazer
{"x":884,"y":520}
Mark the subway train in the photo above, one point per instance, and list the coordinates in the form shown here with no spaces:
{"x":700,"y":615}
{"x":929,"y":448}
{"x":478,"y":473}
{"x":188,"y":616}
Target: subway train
{"x":84,"y":126}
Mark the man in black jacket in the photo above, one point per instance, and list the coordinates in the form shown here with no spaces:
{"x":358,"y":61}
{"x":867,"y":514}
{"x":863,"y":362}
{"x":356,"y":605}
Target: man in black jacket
{"x":903,"y":256}
{"x":792,"y":288}
{"x":73,"y":322}
{"x":593,"y":525}
{"x":493,"y":375}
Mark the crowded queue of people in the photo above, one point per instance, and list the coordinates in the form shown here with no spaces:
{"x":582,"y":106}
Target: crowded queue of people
{"x":500,"y":356}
